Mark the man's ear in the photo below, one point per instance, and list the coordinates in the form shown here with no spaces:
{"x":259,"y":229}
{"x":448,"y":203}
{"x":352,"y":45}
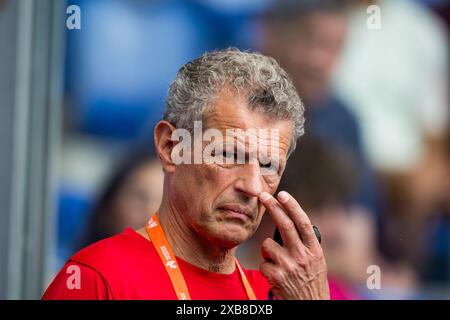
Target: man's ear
{"x":164,"y":144}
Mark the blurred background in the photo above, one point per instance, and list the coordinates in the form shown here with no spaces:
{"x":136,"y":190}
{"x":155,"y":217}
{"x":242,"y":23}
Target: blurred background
{"x":78,"y":106}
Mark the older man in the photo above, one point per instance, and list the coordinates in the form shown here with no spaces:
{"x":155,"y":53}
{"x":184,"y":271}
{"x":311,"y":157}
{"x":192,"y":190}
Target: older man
{"x":213,"y":198}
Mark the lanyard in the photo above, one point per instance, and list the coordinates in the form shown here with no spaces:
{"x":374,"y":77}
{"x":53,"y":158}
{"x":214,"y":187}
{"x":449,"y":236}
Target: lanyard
{"x":159,"y":240}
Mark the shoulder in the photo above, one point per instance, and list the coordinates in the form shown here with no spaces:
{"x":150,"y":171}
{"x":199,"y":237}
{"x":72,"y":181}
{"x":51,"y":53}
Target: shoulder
{"x":119,"y":257}
{"x":109,"y":250}
{"x":119,"y":267}
{"x":78,"y":282}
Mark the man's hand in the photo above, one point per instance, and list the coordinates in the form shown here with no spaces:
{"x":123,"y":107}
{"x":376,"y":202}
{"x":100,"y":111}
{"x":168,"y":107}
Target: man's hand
{"x":297,"y":270}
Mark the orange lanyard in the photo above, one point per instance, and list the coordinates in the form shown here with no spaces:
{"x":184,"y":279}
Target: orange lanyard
{"x":159,"y":240}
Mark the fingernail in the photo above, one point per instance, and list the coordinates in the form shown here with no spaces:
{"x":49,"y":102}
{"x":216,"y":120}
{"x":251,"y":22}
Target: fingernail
{"x":264,"y":196}
{"x":283,"y":196}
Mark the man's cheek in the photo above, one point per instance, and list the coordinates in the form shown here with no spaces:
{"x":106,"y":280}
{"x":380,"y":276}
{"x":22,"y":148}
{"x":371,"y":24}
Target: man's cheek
{"x":209,"y":174}
{"x":271,"y":184}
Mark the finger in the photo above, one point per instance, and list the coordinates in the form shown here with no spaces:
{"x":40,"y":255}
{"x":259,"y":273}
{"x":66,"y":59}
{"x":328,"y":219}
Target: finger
{"x":287,"y":228}
{"x":274,"y":252}
{"x":271,"y":272}
{"x":300,"y":218}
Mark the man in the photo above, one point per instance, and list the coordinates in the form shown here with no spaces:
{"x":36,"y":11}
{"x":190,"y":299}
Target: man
{"x":187,"y":250}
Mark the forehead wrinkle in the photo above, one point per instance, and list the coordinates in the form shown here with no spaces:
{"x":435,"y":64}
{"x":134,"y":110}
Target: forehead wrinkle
{"x":232,"y":112}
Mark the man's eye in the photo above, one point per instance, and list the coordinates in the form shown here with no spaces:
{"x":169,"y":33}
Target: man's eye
{"x":273,"y":167}
{"x":228,"y":155}
{"x":224,"y":154}
{"x":266,"y":165}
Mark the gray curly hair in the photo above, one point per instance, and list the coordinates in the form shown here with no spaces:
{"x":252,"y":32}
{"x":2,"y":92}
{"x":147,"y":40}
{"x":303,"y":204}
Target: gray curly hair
{"x":257,"y":78}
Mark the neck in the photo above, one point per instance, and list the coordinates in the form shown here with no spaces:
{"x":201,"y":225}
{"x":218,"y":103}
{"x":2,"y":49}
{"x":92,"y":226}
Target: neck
{"x":190,"y":247}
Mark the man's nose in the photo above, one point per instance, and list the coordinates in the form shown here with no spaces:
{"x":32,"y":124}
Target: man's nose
{"x":250,"y":181}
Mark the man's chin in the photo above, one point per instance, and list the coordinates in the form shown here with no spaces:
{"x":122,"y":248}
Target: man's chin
{"x":232,"y":235}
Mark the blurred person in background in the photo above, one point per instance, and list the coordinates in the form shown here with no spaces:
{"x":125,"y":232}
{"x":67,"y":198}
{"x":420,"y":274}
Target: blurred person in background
{"x":395,"y":79}
{"x":436,"y":269}
{"x":323,"y":176}
{"x":132,"y":194}
{"x":307,"y":38}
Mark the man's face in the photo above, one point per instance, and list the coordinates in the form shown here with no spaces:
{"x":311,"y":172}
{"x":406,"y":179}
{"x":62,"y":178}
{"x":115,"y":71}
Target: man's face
{"x":219,"y":201}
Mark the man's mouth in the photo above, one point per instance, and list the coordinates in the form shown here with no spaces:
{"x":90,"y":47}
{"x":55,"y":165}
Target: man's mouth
{"x":238,"y":210}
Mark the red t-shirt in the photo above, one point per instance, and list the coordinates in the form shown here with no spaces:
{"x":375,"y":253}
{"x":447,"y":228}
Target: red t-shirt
{"x":127,"y":266}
